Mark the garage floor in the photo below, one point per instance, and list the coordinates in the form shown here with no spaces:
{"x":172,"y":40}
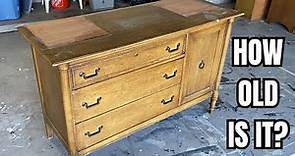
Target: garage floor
{"x":190,"y":133}
{"x":38,"y":14}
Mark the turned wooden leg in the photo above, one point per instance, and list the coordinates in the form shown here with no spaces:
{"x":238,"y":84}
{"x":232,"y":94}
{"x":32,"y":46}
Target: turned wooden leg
{"x":214,"y":99}
{"x":74,"y":153}
{"x":49,"y":131}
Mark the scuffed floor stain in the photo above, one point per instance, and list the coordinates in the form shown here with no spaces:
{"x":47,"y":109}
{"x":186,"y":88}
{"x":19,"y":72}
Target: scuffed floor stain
{"x":291,"y":87}
{"x":224,"y":79}
{"x":290,"y":42}
{"x":155,"y":132}
{"x":291,"y":107}
{"x":273,"y":114}
{"x":227,"y":69}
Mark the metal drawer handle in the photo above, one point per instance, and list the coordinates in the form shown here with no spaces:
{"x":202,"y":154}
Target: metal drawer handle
{"x":98,"y":130}
{"x":166,"y":76}
{"x":173,"y":50}
{"x":202,"y":64}
{"x":84,"y":76}
{"x":86,"y":105}
{"x":164,"y":102}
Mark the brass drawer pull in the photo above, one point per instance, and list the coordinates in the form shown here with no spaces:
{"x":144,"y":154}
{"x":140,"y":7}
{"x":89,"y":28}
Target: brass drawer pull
{"x":173,"y":50}
{"x":164,"y":102}
{"x":166,"y":76}
{"x":84,"y":76}
{"x":202,"y":64}
{"x":86,"y":105}
{"x":98,"y":130}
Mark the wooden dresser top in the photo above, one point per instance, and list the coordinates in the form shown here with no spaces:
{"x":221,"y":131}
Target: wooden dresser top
{"x":71,"y":39}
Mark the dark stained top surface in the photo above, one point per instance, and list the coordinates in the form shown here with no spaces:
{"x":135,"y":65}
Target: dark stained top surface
{"x":130,"y":25}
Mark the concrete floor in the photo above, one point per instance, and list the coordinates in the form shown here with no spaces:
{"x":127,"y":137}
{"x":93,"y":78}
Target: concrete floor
{"x":38,"y":14}
{"x":190,"y":133}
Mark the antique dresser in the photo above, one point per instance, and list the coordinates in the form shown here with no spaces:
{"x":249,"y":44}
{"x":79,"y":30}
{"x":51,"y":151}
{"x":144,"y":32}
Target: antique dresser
{"x":104,"y":76}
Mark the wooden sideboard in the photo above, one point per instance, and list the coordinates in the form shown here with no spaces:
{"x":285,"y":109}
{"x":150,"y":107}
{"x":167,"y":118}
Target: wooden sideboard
{"x":105,"y":75}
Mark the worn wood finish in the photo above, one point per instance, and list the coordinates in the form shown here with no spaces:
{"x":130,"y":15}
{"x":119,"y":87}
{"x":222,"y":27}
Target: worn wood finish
{"x":186,"y":8}
{"x":132,"y":59}
{"x":83,"y":29}
{"x":141,"y":24}
{"x":222,"y":57}
{"x":119,"y":91}
{"x":50,"y":93}
{"x":145,"y":124}
{"x":154,"y":63}
{"x":201,"y":50}
{"x":48,"y":129}
{"x":126,"y":117}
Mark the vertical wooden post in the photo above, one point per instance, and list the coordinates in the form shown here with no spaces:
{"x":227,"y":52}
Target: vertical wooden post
{"x":184,"y":51}
{"x":66,"y":91}
{"x":215,"y":93}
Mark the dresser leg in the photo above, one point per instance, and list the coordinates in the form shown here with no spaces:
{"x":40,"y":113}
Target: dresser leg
{"x":74,"y":153}
{"x":214,"y":99}
{"x":49,"y":131}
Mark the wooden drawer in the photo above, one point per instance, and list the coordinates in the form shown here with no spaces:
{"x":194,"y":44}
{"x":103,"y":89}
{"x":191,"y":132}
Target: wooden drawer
{"x":107,"y":95}
{"x":114,"y":122}
{"x":100,"y":69}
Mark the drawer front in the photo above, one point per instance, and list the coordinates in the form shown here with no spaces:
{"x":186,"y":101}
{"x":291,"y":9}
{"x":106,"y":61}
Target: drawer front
{"x":97,"y":70}
{"x":107,"y":95}
{"x":123,"y":118}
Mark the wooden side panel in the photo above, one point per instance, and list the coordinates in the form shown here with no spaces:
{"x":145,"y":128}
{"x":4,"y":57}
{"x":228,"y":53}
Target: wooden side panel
{"x":218,"y":63}
{"x":51,"y":95}
{"x":218,"y":69}
{"x":260,"y":9}
{"x":253,"y":9}
{"x":245,"y":6}
{"x":201,"y":49}
{"x":283,"y":11}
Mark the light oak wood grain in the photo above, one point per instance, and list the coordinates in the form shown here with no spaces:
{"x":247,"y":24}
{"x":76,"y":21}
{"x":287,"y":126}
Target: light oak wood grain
{"x":154,"y":64}
{"x":126,"y":117}
{"x":129,"y":27}
{"x":201,"y":50}
{"x":145,"y":124}
{"x":132,"y":59}
{"x":222,"y":57}
{"x":186,"y":8}
{"x":124,"y":89}
{"x":53,"y":33}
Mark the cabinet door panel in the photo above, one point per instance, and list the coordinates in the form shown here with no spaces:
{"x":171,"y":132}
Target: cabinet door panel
{"x":203,"y":50}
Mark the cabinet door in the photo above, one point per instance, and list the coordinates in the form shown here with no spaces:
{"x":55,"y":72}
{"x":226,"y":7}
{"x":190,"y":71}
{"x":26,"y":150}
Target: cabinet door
{"x":203,"y":54}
